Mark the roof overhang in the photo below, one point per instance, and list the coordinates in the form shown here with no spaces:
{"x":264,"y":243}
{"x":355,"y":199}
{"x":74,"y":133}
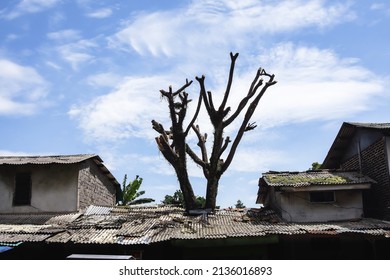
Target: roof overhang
{"x":317,"y":188}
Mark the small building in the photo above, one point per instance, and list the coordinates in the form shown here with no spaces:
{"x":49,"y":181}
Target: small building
{"x":37,"y":184}
{"x":365,"y":147}
{"x":314,"y":196}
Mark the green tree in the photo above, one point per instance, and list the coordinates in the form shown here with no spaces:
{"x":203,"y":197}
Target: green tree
{"x":131,"y":194}
{"x":177,"y":199}
{"x":239,"y":204}
{"x":173,"y":143}
{"x":315,"y":166}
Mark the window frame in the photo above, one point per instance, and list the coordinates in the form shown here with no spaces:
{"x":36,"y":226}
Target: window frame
{"x":322,"y":196}
{"x":22,"y":189}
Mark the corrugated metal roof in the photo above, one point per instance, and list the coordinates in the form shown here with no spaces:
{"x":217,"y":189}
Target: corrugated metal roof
{"x":313,"y":178}
{"x":146,"y":225}
{"x":37,"y":218}
{"x":60,"y":159}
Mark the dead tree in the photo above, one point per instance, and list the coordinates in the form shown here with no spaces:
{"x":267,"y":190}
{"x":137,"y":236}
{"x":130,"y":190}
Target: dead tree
{"x":172,"y":143}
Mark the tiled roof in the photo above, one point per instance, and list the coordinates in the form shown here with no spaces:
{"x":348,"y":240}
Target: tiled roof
{"x":312,"y":178}
{"x":147,"y":225}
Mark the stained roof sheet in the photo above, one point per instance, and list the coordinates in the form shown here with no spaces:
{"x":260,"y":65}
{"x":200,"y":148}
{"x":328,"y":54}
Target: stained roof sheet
{"x":147,"y":225}
{"x":60,"y":159}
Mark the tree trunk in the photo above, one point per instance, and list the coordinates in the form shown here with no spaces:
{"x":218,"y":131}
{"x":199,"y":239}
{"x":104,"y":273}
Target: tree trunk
{"x":211,"y":193}
{"x":186,"y":189}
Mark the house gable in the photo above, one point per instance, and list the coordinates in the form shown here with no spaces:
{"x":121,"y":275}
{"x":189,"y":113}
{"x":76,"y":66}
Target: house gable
{"x":315,"y":196}
{"x":58,"y":183}
{"x":365,"y":147}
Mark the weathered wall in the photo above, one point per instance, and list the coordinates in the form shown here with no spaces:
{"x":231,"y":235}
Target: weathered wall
{"x":54,"y":188}
{"x":375,"y":164}
{"x":362,"y":139}
{"x":94,"y":187}
{"x":296,"y":207}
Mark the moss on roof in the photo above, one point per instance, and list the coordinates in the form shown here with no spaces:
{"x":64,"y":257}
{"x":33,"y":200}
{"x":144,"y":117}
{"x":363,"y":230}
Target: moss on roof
{"x":305,"y":179}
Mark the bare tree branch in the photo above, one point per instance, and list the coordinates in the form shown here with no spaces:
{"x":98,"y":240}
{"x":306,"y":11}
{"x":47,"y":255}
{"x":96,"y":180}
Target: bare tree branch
{"x":195,"y":115}
{"x":248,"y":115}
{"x":230,"y":81}
{"x":201,"y":143}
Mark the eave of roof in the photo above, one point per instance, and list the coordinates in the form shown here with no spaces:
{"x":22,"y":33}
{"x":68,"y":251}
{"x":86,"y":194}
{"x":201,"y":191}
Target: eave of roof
{"x":58,"y":159}
{"x":343,"y":138}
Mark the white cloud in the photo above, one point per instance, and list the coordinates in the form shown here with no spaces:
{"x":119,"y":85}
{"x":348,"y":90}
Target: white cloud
{"x":205,"y":26}
{"x":64,"y":35}
{"x":22,"y":89}
{"x":77,"y":53}
{"x":31,"y":6}
{"x":253,"y":160}
{"x":125,"y":112}
{"x":315,"y":84}
{"x":101,"y":13}
{"x":104,"y":80}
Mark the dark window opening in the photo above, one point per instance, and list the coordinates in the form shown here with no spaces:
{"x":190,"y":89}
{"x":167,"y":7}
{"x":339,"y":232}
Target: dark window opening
{"x":22,"y":194}
{"x":325,"y":196}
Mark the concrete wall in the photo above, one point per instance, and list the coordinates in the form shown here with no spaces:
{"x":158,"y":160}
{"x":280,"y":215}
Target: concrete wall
{"x":94,"y":187}
{"x":54,"y":188}
{"x":296,"y":207}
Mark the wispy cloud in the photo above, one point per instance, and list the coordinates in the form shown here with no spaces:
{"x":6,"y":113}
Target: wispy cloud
{"x":64,"y":35}
{"x":29,"y":7}
{"x":110,"y":80}
{"x":125,"y":112}
{"x":101,"y":13}
{"x":221,"y":25}
{"x":313,"y":83}
{"x":22,"y":89}
{"x":77,"y":52}
{"x":316,"y":84}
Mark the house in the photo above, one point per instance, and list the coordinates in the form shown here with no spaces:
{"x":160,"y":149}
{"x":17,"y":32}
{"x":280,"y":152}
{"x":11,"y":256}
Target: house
{"x":39,"y":184}
{"x":365,"y":147}
{"x":314,"y":196}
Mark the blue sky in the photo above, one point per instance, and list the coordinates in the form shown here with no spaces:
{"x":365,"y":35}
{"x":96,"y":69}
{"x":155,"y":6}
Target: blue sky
{"x":84,"y":76}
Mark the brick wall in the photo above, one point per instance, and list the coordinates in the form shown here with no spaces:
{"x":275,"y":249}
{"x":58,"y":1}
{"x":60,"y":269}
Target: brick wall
{"x":375,"y":165}
{"x":94,"y":187}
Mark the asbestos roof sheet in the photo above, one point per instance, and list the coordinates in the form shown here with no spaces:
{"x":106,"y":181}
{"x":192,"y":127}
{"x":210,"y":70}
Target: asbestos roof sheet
{"x":60,"y":159}
{"x":37,"y":218}
{"x":147,"y":225}
{"x":314,"y":178}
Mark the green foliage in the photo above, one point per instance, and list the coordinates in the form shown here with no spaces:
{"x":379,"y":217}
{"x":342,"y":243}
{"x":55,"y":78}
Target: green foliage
{"x":177,"y":199}
{"x":315,"y":166}
{"x":239,"y":204}
{"x":131,"y":194}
